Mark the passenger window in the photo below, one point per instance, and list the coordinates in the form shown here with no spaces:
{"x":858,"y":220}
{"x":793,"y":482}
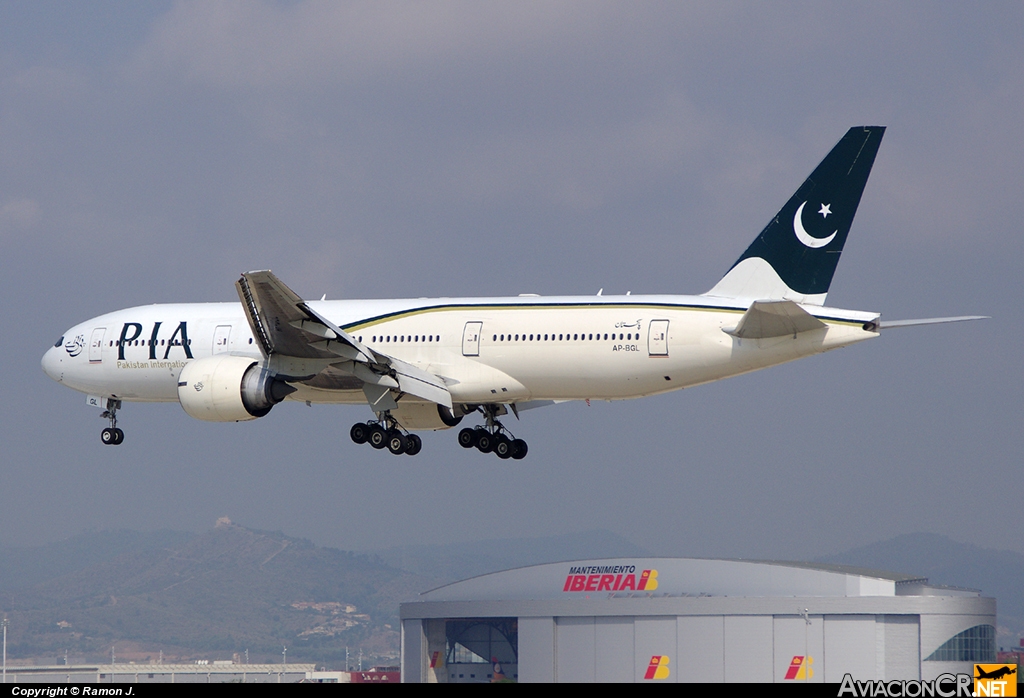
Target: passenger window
{"x":517,"y":338}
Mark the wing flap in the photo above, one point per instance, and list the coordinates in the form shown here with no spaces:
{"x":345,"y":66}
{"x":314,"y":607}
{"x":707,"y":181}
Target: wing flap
{"x":765,"y":319}
{"x":285,"y":324}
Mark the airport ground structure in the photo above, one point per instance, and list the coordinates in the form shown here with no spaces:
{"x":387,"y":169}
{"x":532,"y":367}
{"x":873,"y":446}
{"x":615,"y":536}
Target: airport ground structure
{"x":693,"y":620}
{"x":219,"y":672}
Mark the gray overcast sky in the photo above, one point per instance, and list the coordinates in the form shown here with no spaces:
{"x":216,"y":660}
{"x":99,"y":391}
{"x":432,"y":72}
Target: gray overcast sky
{"x":151,"y":152}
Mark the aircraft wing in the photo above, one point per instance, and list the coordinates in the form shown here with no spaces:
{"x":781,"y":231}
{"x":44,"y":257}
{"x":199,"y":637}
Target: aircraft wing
{"x":284,"y":324}
{"x":765,"y":319}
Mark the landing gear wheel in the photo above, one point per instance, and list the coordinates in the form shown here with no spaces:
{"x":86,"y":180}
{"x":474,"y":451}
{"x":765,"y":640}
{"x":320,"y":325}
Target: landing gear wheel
{"x":111,"y":436}
{"x":467,"y":438}
{"x":485,"y":442}
{"x":360,"y":433}
{"x":519,"y":449}
{"x":397,"y":443}
{"x":502,"y":447}
{"x":415,"y":444}
{"x":378,"y":437}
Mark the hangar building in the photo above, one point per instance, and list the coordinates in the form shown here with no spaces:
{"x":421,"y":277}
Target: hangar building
{"x":682,"y":620}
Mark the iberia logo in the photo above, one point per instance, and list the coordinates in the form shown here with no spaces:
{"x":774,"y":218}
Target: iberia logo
{"x":799,"y":669}
{"x":610,"y":578}
{"x":995,"y":679}
{"x":658,"y":668}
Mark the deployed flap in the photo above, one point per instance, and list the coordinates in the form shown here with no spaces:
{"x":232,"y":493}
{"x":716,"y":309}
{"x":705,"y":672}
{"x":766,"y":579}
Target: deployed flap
{"x":420,"y":383}
{"x":766,"y":319}
{"x":284,"y":324}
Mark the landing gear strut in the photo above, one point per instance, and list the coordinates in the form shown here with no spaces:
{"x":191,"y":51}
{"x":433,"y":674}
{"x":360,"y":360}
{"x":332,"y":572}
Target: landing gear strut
{"x":112,"y":436}
{"x":386,"y":433}
{"x":493,"y":437}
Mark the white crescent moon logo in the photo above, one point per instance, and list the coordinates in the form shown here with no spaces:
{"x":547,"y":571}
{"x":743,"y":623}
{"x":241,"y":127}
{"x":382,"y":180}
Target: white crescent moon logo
{"x":803,"y":236}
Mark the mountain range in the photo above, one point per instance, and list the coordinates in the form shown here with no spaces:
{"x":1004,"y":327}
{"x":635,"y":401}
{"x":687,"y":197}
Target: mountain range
{"x":217,"y":594}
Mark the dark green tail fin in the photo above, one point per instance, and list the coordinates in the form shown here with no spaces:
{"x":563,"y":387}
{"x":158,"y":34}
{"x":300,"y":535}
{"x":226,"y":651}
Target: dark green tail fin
{"x":795,"y":256}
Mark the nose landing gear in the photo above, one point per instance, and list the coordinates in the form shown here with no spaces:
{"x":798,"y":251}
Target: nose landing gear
{"x":112,"y":436}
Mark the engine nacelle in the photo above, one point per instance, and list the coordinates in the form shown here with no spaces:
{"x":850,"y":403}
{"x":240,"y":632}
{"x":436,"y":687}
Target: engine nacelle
{"x":228,"y":388}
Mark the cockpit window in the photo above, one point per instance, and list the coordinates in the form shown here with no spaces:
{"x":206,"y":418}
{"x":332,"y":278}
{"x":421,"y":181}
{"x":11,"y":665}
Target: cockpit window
{"x":59,"y":342}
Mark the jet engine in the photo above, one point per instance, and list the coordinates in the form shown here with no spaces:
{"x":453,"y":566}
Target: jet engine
{"x":227,"y":388}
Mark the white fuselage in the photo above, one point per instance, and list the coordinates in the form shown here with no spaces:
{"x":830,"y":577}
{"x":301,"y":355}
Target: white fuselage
{"x":487,"y":350}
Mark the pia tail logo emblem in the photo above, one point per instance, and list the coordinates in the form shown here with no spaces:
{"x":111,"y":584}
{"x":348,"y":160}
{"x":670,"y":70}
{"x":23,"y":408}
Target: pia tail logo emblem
{"x":800,"y":669}
{"x":995,"y":680}
{"x":657,"y":670}
{"x":806,"y":238}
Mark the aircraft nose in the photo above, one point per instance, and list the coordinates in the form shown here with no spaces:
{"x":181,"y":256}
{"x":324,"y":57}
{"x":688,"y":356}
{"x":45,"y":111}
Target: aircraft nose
{"x":52,"y":361}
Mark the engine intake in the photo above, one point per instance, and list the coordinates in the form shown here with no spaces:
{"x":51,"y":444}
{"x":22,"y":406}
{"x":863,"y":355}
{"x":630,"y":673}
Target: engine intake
{"x":229,"y":389}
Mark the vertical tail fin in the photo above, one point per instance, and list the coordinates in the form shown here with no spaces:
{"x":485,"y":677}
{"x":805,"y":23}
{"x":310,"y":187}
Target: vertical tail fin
{"x":795,"y":256}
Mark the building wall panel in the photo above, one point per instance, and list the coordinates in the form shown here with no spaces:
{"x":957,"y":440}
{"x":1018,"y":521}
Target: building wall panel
{"x":614,"y":651}
{"x":749,"y":649}
{"x":902,"y":646}
{"x":575,"y":650}
{"x":537,"y":650}
{"x":654,"y":637}
{"x":700,"y":645}
{"x":797,"y":637}
{"x":850,"y":648}
{"x":413,"y":651}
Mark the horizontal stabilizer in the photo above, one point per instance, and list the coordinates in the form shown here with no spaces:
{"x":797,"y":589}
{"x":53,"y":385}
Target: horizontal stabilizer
{"x":766,"y":319}
{"x":891,"y":324}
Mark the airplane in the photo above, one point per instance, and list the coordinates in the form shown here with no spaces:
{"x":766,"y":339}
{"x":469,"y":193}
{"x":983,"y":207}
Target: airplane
{"x":427,"y":364}
{"x":995,"y":673}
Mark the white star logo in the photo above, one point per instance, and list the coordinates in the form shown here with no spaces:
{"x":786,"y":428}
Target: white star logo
{"x":825,"y":210}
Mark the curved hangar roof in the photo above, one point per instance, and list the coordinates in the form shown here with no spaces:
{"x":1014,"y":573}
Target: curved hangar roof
{"x":671,"y":577}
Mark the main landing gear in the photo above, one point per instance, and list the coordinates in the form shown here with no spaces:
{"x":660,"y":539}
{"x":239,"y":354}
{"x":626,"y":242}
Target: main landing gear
{"x":493,"y":438}
{"x":112,"y":436}
{"x":386,"y":433}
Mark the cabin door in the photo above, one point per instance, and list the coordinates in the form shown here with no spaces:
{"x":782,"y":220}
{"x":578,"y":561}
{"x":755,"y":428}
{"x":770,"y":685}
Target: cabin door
{"x":471,"y":339}
{"x":657,"y":338}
